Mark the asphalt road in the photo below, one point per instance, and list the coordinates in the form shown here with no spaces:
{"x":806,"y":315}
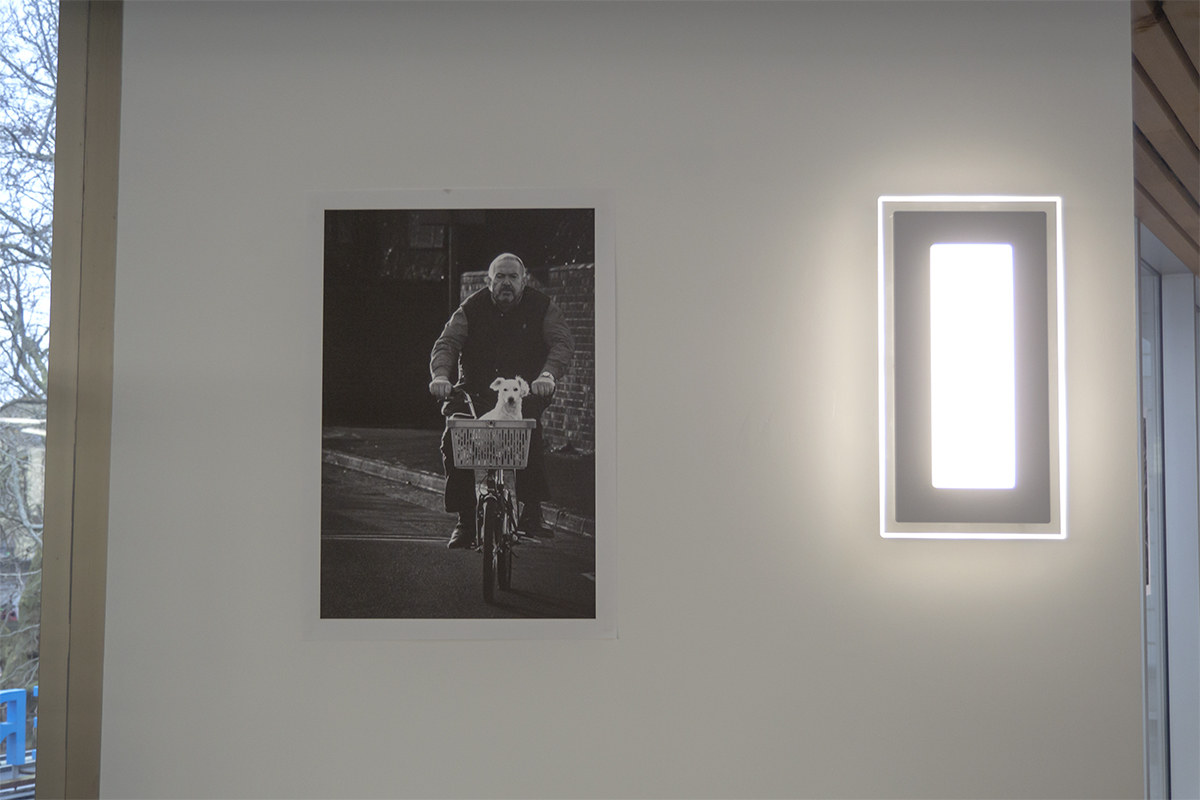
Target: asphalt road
{"x":384,"y":555}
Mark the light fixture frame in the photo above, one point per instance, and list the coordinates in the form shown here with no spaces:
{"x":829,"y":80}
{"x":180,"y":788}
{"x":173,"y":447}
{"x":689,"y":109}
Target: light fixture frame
{"x":1056,"y":526}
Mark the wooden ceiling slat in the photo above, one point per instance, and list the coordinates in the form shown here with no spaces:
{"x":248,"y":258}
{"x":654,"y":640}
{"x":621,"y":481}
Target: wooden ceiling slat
{"x":1154,"y":118}
{"x":1166,"y":111}
{"x":1154,"y":175}
{"x":1161,"y":225}
{"x":1184,"y":16}
{"x":1168,"y":68}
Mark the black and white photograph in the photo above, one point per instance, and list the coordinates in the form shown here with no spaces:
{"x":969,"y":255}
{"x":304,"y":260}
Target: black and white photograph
{"x":458,"y":474}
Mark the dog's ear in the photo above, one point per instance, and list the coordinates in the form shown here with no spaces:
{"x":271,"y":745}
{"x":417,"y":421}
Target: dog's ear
{"x":496,"y":384}
{"x":524,"y":386}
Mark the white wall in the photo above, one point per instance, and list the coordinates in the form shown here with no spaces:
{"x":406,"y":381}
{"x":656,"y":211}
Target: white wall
{"x":771,"y":643}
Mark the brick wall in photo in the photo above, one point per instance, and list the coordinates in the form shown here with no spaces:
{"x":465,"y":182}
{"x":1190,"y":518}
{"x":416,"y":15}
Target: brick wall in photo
{"x":570,"y":422}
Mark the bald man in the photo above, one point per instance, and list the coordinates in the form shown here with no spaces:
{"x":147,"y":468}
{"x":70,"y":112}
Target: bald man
{"x":505,"y":330}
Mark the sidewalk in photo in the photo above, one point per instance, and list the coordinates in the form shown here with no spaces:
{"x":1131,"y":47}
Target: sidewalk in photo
{"x":413,"y":457}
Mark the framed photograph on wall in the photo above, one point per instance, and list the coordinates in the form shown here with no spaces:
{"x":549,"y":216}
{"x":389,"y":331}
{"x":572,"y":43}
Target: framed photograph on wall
{"x":441,"y":307}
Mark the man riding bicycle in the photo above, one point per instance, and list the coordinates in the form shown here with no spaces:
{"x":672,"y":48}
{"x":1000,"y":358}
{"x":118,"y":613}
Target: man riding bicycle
{"x":506,"y":330}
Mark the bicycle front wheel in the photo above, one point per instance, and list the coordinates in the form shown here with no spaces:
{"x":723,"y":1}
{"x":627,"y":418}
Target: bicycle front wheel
{"x":504,"y":559}
{"x":493,"y":520}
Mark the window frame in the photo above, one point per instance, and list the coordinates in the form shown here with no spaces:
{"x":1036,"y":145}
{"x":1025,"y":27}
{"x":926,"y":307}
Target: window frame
{"x":79,"y":408}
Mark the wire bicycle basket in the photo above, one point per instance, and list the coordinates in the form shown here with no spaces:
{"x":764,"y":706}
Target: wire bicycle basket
{"x":491,"y":443}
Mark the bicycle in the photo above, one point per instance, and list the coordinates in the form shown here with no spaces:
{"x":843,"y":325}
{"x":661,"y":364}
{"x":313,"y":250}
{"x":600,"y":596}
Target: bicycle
{"x":498,"y":447}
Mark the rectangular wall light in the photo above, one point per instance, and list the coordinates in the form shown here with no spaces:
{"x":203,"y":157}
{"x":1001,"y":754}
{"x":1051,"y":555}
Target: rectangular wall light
{"x":972,"y":427}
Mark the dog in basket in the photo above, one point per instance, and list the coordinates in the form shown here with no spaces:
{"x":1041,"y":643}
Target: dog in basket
{"x":509,"y":392}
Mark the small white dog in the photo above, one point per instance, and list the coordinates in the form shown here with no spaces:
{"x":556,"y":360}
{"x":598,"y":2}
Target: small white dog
{"x":509,"y":393}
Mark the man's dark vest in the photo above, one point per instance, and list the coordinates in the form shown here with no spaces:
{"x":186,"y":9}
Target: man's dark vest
{"x":502,"y":344}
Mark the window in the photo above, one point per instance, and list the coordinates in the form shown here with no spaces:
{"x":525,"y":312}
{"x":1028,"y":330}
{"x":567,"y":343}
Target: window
{"x":28,"y":78}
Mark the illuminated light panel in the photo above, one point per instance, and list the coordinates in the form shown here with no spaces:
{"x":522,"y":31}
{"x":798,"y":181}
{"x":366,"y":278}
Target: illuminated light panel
{"x":973,"y":366}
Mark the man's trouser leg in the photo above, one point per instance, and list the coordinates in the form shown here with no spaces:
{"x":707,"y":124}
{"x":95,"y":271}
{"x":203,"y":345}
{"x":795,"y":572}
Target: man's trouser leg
{"x":532,"y":487}
{"x":531,"y":481}
{"x":460,"y":497}
{"x":460,"y":483}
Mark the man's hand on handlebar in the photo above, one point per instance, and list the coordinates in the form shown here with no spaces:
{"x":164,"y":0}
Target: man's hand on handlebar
{"x":440,"y":388}
{"x":543,"y":385}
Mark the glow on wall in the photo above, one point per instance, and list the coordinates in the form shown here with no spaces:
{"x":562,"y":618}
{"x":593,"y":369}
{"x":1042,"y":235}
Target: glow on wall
{"x":972,"y":405}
